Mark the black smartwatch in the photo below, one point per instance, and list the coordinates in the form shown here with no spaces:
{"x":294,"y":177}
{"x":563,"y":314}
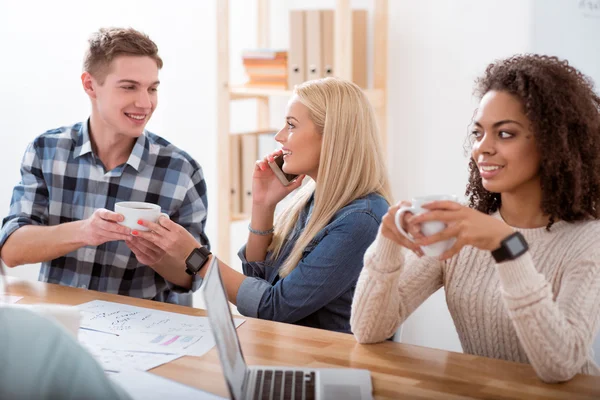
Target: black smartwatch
{"x":510,"y":248}
{"x":196,"y":260}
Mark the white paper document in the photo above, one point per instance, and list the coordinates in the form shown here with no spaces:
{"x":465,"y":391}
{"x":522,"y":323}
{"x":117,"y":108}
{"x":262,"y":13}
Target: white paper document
{"x":118,"y":358}
{"x":4,"y":298}
{"x":124,"y":360}
{"x":143,"y":329}
{"x":159,"y":342}
{"x":147,"y":386}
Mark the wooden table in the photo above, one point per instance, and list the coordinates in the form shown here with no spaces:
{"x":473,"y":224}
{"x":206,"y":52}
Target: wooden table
{"x":398,"y":370}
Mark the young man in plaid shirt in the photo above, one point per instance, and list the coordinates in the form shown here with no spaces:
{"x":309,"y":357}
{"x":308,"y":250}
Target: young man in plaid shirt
{"x":61,"y":212}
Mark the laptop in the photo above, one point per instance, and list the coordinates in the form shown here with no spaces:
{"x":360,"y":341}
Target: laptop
{"x":272,"y":382}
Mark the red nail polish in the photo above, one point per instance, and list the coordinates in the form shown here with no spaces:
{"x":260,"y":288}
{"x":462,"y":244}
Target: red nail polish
{"x":140,"y":222}
{"x":134,"y":233}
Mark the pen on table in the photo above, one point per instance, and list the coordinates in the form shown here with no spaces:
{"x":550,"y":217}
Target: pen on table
{"x":96,"y":330}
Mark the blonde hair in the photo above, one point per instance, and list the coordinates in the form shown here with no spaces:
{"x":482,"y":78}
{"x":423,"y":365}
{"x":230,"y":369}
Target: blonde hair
{"x":351,"y":165}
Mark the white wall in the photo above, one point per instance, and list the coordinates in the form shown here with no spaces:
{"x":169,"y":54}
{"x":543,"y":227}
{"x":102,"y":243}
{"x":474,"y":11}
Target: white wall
{"x":571,"y":30}
{"x":436,"y":50}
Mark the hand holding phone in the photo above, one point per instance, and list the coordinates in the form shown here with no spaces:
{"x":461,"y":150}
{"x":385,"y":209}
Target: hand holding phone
{"x":277,"y":166}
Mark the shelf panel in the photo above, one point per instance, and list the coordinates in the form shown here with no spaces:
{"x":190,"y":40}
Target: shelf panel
{"x":258,"y":132}
{"x":239,"y":217}
{"x":375,"y":96}
{"x":245,"y":92}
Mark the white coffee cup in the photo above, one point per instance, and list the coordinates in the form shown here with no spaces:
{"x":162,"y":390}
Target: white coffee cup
{"x":133,"y":211}
{"x":427,"y":228}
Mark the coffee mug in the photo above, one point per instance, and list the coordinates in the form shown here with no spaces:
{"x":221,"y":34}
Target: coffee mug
{"x":427,"y":228}
{"x":133,"y":211}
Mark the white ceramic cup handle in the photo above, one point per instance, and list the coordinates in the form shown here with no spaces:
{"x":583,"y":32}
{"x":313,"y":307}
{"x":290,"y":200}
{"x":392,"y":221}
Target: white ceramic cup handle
{"x":399,"y":215}
{"x":163,"y":215}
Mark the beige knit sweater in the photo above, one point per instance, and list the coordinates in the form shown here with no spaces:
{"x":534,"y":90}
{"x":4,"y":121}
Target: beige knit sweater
{"x":543,"y":308}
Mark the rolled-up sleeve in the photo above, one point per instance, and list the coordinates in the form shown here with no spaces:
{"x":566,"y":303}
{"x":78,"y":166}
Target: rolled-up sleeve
{"x":325,"y":272}
{"x":253,"y":268}
{"x":250,"y":295}
{"x":29,"y":203}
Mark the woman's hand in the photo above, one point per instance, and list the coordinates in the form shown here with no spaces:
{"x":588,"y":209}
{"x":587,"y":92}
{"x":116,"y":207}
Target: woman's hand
{"x":389,"y":230}
{"x":169,"y":236}
{"x":267,"y":190}
{"x":468,"y":226}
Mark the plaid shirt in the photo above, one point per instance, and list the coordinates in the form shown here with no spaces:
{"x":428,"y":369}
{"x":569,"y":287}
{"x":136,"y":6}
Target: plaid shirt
{"x":63,"y":181}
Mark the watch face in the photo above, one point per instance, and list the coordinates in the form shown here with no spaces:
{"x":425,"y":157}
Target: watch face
{"x":515,"y":245}
{"x":196,"y":260}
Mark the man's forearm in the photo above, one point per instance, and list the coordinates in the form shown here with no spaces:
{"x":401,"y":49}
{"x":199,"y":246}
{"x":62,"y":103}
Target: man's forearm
{"x":32,"y":244}
{"x":173,"y":270}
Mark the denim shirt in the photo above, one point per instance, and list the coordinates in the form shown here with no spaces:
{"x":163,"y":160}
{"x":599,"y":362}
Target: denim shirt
{"x":318,"y":292}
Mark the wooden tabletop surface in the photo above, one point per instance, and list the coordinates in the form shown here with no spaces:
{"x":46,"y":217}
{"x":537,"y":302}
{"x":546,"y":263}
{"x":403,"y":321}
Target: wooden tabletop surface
{"x":398,"y":370}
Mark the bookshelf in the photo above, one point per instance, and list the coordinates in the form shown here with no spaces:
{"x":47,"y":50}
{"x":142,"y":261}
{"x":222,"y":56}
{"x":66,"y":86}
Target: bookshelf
{"x":228,"y":92}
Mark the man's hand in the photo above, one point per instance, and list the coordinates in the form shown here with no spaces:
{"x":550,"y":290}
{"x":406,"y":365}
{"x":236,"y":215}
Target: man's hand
{"x":169,"y":236}
{"x":146,"y":252}
{"x":102,"y":227}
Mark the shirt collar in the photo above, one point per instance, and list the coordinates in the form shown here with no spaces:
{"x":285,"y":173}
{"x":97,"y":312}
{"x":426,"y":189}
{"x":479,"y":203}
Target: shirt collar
{"x":83,"y":145}
{"x":139,"y":154}
{"x":137,"y":158}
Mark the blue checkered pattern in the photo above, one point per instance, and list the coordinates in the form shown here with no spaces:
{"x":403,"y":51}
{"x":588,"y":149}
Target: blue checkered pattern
{"x":63,"y":181}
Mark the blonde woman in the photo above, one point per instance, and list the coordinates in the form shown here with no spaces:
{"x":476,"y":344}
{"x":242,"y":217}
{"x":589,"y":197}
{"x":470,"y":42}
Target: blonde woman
{"x":302,"y":267}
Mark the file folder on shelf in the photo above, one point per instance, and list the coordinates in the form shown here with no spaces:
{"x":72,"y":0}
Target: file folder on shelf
{"x":235,"y":158}
{"x":313,"y":43}
{"x":359,"y":45}
{"x":249,"y":157}
{"x":359,"y":48}
{"x":327,"y":35}
{"x":296,"y":71}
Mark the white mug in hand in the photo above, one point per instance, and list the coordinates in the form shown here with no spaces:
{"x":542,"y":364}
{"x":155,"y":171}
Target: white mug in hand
{"x":136,"y":210}
{"x":427,"y":228}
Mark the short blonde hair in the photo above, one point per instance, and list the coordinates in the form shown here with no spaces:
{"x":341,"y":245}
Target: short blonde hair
{"x":109,"y":43}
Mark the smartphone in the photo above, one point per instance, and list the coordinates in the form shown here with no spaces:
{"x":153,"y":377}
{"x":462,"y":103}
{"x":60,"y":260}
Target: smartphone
{"x":276,"y":166}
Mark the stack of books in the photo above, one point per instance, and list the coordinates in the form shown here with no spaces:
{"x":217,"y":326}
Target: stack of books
{"x":266,"y":68}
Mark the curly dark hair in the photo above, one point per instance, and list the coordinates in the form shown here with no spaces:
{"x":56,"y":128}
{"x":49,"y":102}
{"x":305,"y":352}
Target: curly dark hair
{"x":564,"y":112}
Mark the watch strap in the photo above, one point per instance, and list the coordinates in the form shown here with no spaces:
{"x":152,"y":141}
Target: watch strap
{"x":196,"y":260}
{"x":512,"y":247}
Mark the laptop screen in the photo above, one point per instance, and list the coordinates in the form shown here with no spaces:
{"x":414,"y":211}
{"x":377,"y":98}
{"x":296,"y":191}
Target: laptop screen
{"x":221,"y":322}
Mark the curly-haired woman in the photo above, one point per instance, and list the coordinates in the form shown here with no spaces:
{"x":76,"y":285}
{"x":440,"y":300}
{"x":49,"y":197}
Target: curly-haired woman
{"x":534,"y":184}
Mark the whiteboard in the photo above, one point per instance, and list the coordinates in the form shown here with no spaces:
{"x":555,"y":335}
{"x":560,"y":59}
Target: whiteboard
{"x":569,"y":29}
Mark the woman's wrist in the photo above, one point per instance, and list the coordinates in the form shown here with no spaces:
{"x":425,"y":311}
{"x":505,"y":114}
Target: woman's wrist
{"x":262,"y":217}
{"x":189,"y":248}
{"x":258,"y":232}
{"x":500,"y":236}
{"x":264,"y":207}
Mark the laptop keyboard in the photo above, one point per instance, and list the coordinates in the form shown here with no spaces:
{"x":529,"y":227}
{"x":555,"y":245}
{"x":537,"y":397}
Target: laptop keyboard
{"x":285,"y":385}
